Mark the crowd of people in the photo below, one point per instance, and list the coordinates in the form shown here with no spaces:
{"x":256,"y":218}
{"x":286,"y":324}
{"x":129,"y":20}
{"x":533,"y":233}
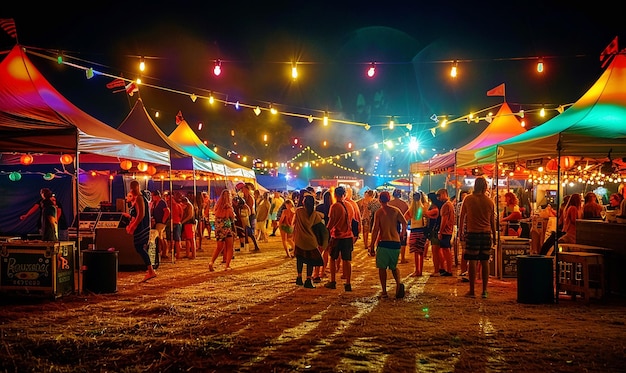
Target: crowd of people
{"x":321,"y":228}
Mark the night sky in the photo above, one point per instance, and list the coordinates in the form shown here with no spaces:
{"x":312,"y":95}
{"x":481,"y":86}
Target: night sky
{"x":412,"y":43}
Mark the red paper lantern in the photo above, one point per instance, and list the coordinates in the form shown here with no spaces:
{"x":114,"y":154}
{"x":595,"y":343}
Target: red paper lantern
{"x":151,"y":170}
{"x":126,"y":165}
{"x":26,"y":159}
{"x":67,"y":159}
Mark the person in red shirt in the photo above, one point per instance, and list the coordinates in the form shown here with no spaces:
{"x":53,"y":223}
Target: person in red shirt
{"x":339,"y":226}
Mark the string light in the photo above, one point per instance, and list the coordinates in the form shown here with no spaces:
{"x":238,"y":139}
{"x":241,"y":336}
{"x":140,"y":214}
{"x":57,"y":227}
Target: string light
{"x":294,"y":71}
{"x":453,"y":71}
{"x":540,"y":65}
{"x":371,"y":71}
{"x":217,"y":68}
{"x":325,"y":118}
{"x":142,"y":64}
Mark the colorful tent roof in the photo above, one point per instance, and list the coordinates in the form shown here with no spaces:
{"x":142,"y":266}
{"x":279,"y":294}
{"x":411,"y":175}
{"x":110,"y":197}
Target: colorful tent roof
{"x":593,"y":126}
{"x":139,"y":125}
{"x":187,"y":139}
{"x":35,"y":117}
{"x":504,"y":125}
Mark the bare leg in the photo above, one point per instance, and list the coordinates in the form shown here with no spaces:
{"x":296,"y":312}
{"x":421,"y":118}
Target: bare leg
{"x":216,"y":252}
{"x":228,"y":251}
{"x":472,"y":276}
{"x":347,"y":270}
{"x":382,"y":276}
{"x":485,"y":274}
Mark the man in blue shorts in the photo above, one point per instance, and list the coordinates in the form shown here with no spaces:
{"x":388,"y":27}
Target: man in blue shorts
{"x":386,"y":240}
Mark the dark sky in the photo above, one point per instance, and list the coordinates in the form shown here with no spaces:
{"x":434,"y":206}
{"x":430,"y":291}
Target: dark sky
{"x":412,"y":43}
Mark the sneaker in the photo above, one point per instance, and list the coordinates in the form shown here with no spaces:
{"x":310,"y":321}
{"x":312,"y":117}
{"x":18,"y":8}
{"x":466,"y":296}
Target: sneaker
{"x":464,"y":273}
{"x":446,"y":274}
{"x":464,"y":279}
{"x":442,"y":271}
{"x":347,"y":287}
{"x":484,"y":294}
{"x":308,"y":284}
{"x":317,"y":280}
{"x":299,"y":281}
{"x":331,"y":285}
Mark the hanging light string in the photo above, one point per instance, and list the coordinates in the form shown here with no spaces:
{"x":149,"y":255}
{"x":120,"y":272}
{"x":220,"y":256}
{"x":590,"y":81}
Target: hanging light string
{"x":323,"y":116}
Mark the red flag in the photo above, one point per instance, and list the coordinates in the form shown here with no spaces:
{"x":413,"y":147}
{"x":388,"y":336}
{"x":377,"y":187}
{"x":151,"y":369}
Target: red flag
{"x":8,"y":25}
{"x":117,"y":83}
{"x":497,"y":91}
{"x":179,"y":117}
{"x":609,"y":50}
{"x":131,"y":88}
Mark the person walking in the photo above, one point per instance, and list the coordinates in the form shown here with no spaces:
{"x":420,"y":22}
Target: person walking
{"x":386,"y":243}
{"x":397,"y":201}
{"x":308,"y":244}
{"x":477,"y":226}
{"x":224,"y":229}
{"x":324,"y":209}
{"x":339,"y":226}
{"x":139,"y":227}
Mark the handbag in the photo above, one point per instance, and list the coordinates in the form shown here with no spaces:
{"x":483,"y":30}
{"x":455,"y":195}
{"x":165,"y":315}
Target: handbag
{"x":354,"y":225}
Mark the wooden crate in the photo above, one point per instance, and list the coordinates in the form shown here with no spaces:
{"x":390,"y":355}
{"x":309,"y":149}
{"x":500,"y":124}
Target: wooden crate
{"x":38,"y":268}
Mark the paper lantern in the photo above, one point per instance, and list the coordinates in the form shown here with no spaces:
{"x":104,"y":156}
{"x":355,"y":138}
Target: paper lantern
{"x":566,"y":163}
{"x":151,"y":170}
{"x":126,"y":165}
{"x":142,"y":166}
{"x":67,"y":159}
{"x":26,"y":159}
{"x":15,"y":176}
{"x":48,"y":176}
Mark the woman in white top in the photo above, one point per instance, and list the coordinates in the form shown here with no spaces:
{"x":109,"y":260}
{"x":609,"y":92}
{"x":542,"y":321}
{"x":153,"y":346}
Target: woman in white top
{"x":416,"y":217}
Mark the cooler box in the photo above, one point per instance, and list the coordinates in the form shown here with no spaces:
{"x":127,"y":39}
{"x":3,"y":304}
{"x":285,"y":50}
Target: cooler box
{"x":37,"y":268}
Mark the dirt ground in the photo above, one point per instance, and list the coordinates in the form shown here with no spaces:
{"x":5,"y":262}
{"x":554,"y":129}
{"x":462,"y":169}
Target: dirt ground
{"x":254,"y":318}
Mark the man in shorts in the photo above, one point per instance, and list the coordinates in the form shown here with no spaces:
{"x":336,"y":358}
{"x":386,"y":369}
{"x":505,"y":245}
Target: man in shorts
{"x":386,"y":243}
{"x":446,"y":229}
{"x":339,"y":225}
{"x":477,"y":226}
{"x":398,"y":202}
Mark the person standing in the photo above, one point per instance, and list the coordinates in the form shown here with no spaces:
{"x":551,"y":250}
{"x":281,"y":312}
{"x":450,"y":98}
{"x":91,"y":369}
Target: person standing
{"x":160,"y":214}
{"x":416,"y":217}
{"x":339,"y":226}
{"x":286,"y":227}
{"x":397,"y":201}
{"x":434,"y":220}
{"x":262,"y":215}
{"x":446,"y":229}
{"x":572,"y":213}
{"x":176,"y":219}
{"x":189,"y":227}
{"x":308,"y":245}
{"x":277,"y":202}
{"x":48,"y":216}
{"x":477,"y":226}
{"x":224,"y":229}
{"x":461,"y":244}
{"x":324,"y":209}
{"x":386,"y":243}
{"x":139,"y":227}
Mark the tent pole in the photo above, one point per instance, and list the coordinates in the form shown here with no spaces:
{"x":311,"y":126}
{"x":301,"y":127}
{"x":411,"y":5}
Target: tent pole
{"x":558,"y":204}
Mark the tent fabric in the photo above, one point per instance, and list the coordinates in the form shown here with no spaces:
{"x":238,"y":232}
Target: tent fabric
{"x":503,"y":126}
{"x":139,"y":125}
{"x":35,"y":117}
{"x":591,"y":127}
{"x":188,"y":140}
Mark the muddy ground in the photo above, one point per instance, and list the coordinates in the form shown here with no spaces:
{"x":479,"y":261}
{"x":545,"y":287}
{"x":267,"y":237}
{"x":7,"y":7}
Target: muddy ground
{"x":255,"y":319}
